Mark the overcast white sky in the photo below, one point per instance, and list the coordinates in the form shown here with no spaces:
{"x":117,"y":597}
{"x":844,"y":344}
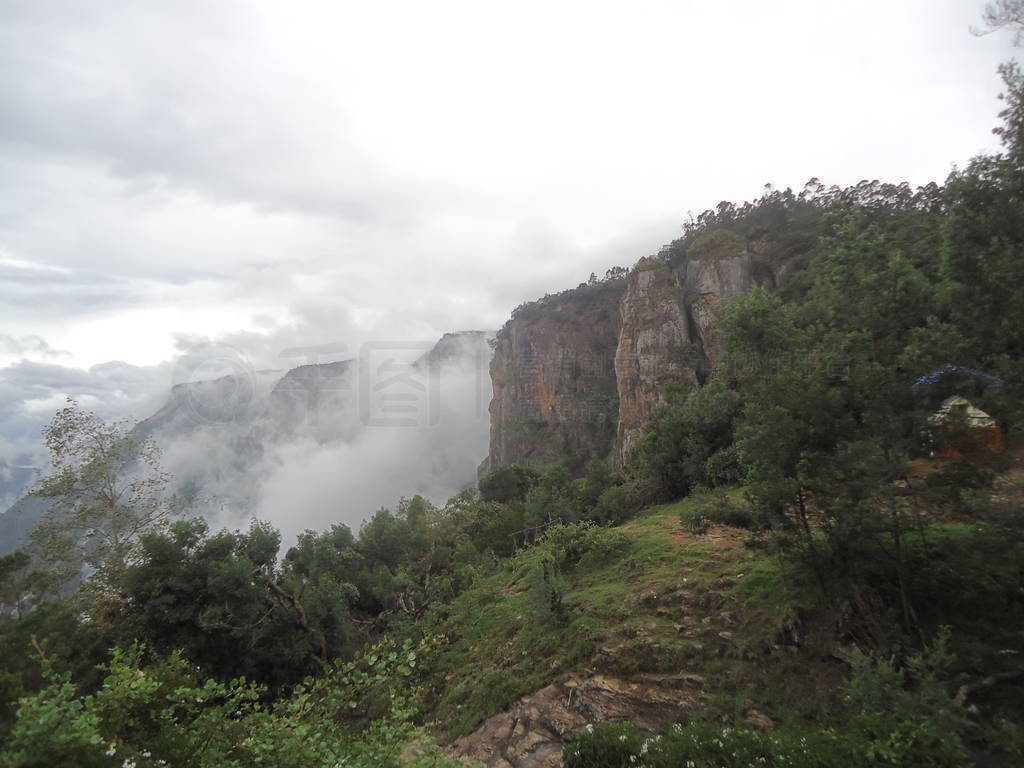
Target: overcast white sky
{"x":273,"y":174}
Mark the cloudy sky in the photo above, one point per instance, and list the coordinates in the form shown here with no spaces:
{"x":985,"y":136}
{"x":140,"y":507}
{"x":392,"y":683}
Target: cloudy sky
{"x":269,"y":175}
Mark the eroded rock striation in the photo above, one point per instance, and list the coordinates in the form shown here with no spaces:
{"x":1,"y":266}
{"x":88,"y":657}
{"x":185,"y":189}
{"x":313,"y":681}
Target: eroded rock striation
{"x":576,"y":375}
{"x":553,"y":378}
{"x":532,"y":732}
{"x":655,"y":348}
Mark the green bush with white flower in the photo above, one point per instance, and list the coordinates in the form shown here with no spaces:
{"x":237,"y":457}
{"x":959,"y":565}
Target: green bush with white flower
{"x":357,"y":714}
{"x":703,"y":745}
{"x":897,"y":714}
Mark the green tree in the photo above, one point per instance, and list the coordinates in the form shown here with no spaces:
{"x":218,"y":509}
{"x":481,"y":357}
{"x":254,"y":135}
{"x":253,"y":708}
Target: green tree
{"x":358,"y":713}
{"x":687,"y":443}
{"x":599,"y":477}
{"x":226,"y":603}
{"x":107,"y":490}
{"x":509,"y":483}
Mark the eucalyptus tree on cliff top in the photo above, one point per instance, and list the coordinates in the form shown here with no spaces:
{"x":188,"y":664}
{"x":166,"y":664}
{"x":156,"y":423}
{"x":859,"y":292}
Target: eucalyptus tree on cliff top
{"x":107,"y":489}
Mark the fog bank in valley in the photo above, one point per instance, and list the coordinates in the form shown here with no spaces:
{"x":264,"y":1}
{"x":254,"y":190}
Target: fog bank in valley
{"x":330,"y":442}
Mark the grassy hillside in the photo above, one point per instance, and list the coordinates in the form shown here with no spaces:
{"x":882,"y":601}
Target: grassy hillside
{"x":670,"y":592}
{"x":649,"y":596}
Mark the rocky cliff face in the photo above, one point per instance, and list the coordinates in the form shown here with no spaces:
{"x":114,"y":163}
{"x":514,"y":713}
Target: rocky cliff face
{"x":707,"y":282}
{"x":655,"y":347}
{"x":576,"y":375}
{"x":553,"y":378}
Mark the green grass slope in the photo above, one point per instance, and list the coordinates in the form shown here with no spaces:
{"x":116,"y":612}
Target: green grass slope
{"x":649,"y":596}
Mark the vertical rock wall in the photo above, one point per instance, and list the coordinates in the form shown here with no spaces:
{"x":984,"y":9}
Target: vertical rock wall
{"x":656,"y":346}
{"x":553,"y":379}
{"x":707,"y":282}
{"x":576,"y":375}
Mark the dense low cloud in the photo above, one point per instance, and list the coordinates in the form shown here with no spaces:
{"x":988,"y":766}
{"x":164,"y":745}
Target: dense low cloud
{"x":329,"y":443}
{"x":31,"y":392}
{"x":28,"y":347}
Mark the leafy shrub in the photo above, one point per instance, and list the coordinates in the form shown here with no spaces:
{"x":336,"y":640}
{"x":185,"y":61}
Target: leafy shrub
{"x":1007,"y":736}
{"x":547,"y":590}
{"x":582,"y":544}
{"x":599,"y":478}
{"x":904,"y":711}
{"x":614,"y":505}
{"x":683,"y":439}
{"x":698,"y":744}
{"x":542,"y":506}
{"x":723,"y":466}
{"x":11,"y":691}
{"x":506,"y":484}
{"x":602,"y":547}
{"x":160,"y":714}
{"x":717,"y":507}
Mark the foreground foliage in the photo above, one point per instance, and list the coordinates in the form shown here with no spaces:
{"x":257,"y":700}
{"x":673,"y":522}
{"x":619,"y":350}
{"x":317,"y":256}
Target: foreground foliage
{"x":356,"y":713}
{"x":626,"y":746}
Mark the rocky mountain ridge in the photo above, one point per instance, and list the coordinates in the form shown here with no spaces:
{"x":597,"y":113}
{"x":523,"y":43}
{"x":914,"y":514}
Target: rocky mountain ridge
{"x":576,"y":375}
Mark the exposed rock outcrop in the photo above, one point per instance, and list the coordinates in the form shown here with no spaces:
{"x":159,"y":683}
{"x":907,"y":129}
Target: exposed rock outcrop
{"x":576,"y":375}
{"x":655,"y":347}
{"x":707,"y":282}
{"x":532,"y":732}
{"x":553,"y":378}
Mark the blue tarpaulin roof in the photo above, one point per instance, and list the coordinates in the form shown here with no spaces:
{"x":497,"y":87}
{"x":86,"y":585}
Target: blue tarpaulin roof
{"x":935,"y":376}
